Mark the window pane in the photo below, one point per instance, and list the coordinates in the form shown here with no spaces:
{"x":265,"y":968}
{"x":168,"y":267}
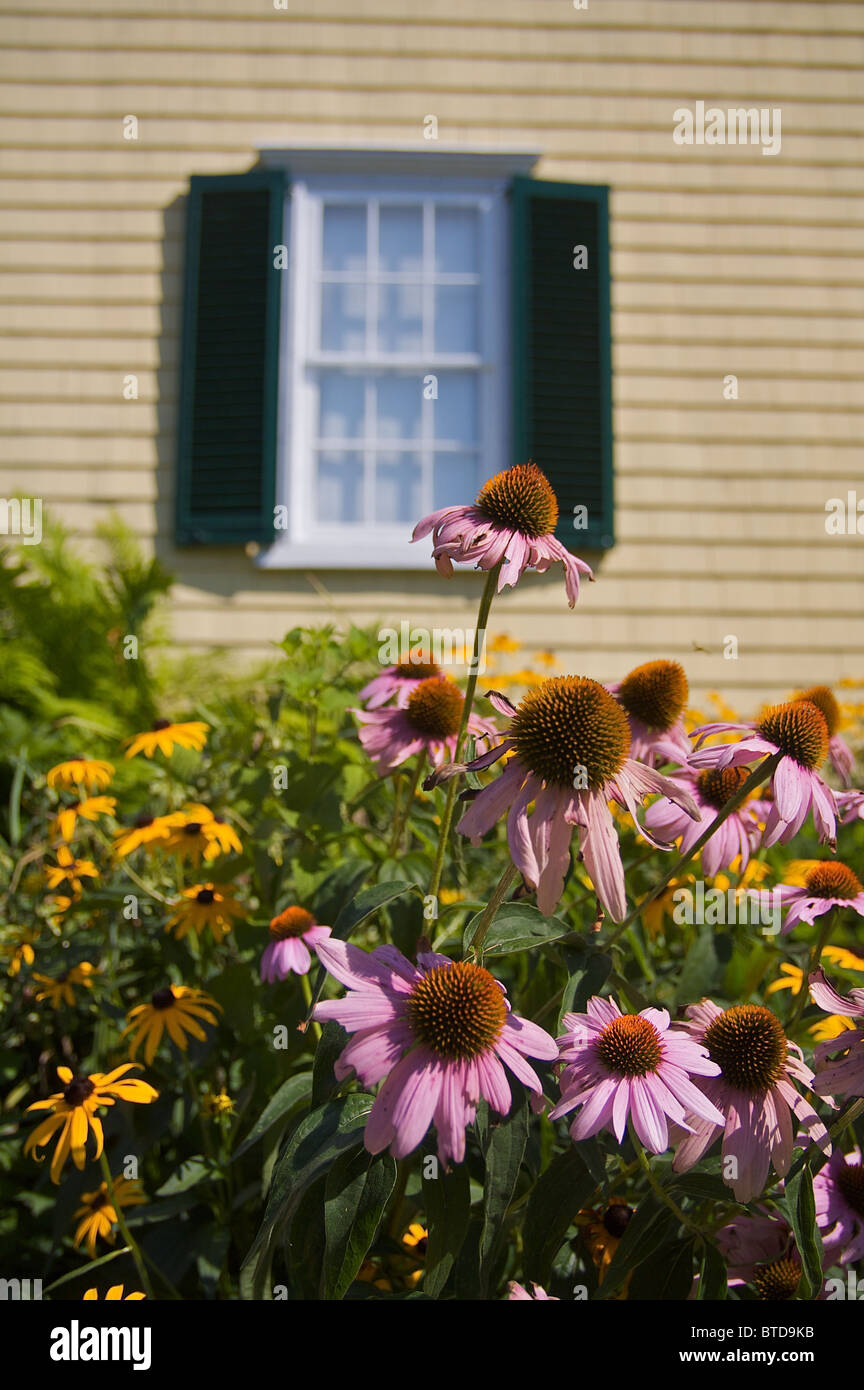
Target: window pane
{"x":399,"y":407}
{"x":339,"y":490}
{"x":454,"y":480}
{"x":344,"y":237}
{"x":456,"y":318}
{"x":454,"y":413}
{"x":400,"y":318}
{"x":343,"y":318}
{"x":456,"y":251}
{"x":341,"y":406}
{"x":400,"y":238}
{"x":397,"y":488}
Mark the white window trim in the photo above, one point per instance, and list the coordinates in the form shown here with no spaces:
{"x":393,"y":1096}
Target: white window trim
{"x":387,"y":547}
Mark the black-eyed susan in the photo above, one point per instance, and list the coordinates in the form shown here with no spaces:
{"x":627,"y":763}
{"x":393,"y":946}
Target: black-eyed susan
{"x":17,"y":948}
{"x":90,"y":809}
{"x":90,"y":773}
{"x":98,"y":1212}
{"x":175,"y":1008}
{"x":164,"y":736}
{"x":69,"y":870}
{"x":196,"y":833}
{"x":204,"y":905}
{"x":602,"y":1232}
{"x":74,"y":1115}
{"x":144,"y":830}
{"x":217,"y":1104}
{"x":62,"y":990}
{"x":114,"y":1294}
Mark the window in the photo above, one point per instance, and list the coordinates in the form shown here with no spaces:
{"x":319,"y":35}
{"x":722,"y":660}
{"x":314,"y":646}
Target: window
{"x":363,"y":345}
{"x":392,"y":386}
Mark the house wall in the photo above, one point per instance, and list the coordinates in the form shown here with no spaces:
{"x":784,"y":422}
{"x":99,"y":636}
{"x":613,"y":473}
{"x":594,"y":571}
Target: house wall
{"x":723,"y":260}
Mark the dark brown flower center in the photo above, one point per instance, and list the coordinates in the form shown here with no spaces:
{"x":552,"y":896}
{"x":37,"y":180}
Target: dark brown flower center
{"x":142,"y":820}
{"x":192,"y":827}
{"x":717,"y":784}
{"x":99,"y":1201}
{"x":161,"y":724}
{"x":779,"y":1280}
{"x":163,"y":998}
{"x":749,"y":1046}
{"x":850,"y":1180}
{"x":630,"y":1046}
{"x":833,"y":880}
{"x":823,"y":699}
{"x":434,"y":708}
{"x":571,"y":722}
{"x":799,"y":731}
{"x":520,"y":499}
{"x":294,"y":921}
{"x":457,"y":1010}
{"x":205,"y":896}
{"x":79,"y":1089}
{"x":655,"y":694}
{"x":616,"y":1218}
{"x":417,"y":670}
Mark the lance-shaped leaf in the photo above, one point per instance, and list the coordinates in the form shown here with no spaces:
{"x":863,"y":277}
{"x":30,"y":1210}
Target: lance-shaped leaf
{"x":358,"y":1188}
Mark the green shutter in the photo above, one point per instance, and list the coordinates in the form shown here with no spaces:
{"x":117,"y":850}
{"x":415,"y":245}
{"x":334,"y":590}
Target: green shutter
{"x":562,"y":386}
{"x":229,"y":373}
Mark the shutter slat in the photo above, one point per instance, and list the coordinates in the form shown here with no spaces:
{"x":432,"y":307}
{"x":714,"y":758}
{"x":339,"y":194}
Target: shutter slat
{"x":561,"y":350}
{"x":229,"y":377}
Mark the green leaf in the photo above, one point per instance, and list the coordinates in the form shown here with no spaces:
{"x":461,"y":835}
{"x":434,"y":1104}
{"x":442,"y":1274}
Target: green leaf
{"x":318,"y":1140}
{"x":189,"y":1174}
{"x":666,"y":1274}
{"x":357,"y":1191}
{"x":333,"y":1039}
{"x":290,"y":1094}
{"x":503,"y":1151}
{"x":699,"y":973}
{"x":588,"y":971}
{"x":800,"y":1209}
{"x":559,"y":1192}
{"x":516,"y":927}
{"x":367,"y":903}
{"x":713,"y":1276}
{"x":447,"y":1204}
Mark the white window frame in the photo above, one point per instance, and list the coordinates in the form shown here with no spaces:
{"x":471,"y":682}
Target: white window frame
{"x":350,"y":546}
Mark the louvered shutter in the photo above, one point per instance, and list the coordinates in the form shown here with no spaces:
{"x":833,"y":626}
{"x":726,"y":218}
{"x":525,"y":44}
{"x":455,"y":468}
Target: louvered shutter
{"x":230,"y":360}
{"x":562,"y":385}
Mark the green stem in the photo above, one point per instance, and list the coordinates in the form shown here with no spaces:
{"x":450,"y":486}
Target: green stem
{"x":756,"y":778}
{"x":402,"y":813}
{"x":815,"y":957}
{"x":490,"y":909}
{"x":450,"y":801}
{"x":307,"y":995}
{"x":124,"y":1229}
{"x":660,"y":1192}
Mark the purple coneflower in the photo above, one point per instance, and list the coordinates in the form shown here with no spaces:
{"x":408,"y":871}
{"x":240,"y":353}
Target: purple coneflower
{"x":760,"y":1250}
{"x":519,"y":1294}
{"x":397,"y":681}
{"x":838,"y":1189}
{"x":840,"y":755}
{"x":737,"y":835}
{"x":291,"y":935}
{"x":620,"y":1066}
{"x":756,"y":1093}
{"x":654,"y":697}
{"x":427,"y":722}
{"x":829,"y":884}
{"x":439,"y":1032}
{"x":798,"y":731}
{"x":846,"y":1074}
{"x":850,"y":806}
{"x":570,"y":741}
{"x":513,"y":519}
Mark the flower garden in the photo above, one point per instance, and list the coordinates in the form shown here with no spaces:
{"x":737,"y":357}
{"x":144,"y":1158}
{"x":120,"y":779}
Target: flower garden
{"x":343,"y":980}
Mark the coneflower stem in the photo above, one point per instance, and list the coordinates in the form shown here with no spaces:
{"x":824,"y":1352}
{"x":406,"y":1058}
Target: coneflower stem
{"x":501,"y":889}
{"x":401,"y":812}
{"x":307,"y":995}
{"x":450,"y":801}
{"x":660,"y":1192}
{"x":815,"y":957}
{"x":756,"y":778}
{"x":124,"y":1229}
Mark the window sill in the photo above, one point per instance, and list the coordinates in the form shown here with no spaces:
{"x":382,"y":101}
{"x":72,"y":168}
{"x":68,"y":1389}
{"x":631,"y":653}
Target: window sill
{"x":346,"y":555}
